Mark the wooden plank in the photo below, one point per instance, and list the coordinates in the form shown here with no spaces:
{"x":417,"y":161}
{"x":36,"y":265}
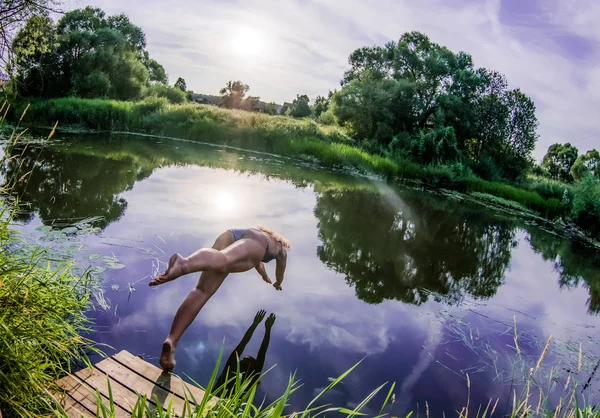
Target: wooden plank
{"x":86,"y":396}
{"x":141,"y":385}
{"x":121,"y":395}
{"x":167,"y":381}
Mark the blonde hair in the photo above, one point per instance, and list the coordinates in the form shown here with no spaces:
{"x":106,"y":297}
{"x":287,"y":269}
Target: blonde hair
{"x":280,"y":238}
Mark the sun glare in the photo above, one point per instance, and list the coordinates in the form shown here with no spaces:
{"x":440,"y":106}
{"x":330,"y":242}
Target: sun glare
{"x":225,"y":201}
{"x":247,"y":41}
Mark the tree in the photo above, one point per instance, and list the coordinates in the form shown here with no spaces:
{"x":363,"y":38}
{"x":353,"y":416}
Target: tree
{"x":407,"y":96}
{"x":180,"y":84}
{"x":558,"y":161}
{"x":14,"y":14}
{"x":321,"y":105}
{"x":85,"y":54}
{"x":588,"y":163}
{"x":300,"y":106}
{"x":271,"y":108}
{"x":233,"y":94}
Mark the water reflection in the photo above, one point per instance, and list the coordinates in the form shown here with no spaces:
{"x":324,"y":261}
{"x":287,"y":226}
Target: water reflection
{"x":390,"y":248}
{"x":250,"y":368}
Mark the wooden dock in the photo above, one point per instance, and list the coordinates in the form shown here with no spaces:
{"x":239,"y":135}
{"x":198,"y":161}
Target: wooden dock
{"x":129,"y":377}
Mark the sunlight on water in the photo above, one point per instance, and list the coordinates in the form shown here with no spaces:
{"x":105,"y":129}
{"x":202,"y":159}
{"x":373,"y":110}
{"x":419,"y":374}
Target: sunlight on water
{"x":226,"y":202}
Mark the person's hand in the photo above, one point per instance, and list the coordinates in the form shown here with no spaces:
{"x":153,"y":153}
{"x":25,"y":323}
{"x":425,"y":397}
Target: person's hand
{"x":260,"y":315}
{"x":277,"y":286}
{"x":270,"y":321}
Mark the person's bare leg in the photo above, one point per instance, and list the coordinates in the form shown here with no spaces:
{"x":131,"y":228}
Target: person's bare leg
{"x":207,"y":285}
{"x":187,"y":312}
{"x":205,"y":259}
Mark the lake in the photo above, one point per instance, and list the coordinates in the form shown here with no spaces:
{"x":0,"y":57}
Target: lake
{"x":424,"y":288}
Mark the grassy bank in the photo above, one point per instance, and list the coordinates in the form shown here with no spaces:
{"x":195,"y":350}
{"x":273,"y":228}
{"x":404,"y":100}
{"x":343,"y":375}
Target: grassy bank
{"x":41,"y":320}
{"x":330,"y":146}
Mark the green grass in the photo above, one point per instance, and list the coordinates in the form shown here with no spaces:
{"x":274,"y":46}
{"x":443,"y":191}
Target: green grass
{"x":41,"y":319}
{"x":328,"y":145}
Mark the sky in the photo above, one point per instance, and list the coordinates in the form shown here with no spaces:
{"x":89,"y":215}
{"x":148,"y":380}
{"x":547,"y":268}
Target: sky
{"x":548,"y":48}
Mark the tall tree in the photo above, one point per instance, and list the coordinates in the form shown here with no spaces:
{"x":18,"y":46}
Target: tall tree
{"x":558,"y":161}
{"x":14,"y":14}
{"x":320,"y":106}
{"x":86,"y":54}
{"x":180,"y":84}
{"x":300,"y":106}
{"x":233,"y":96}
{"x":588,"y":163}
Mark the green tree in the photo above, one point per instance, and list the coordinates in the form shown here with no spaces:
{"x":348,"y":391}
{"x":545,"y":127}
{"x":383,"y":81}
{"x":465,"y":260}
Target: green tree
{"x":320,"y":106}
{"x":180,"y":84}
{"x":234,"y":94}
{"x":14,"y":14}
{"x":300,"y":106}
{"x":558,"y":161}
{"x":588,"y":163}
{"x":271,"y":108}
{"x":407,"y":96}
{"x":86,"y":54}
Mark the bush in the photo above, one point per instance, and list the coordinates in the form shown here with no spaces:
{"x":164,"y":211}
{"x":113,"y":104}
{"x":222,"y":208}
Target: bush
{"x":487,"y":169}
{"x":172,"y":94}
{"x":327,"y":117}
{"x":586,"y":205}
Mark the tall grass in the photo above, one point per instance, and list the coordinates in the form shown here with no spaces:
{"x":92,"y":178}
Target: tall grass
{"x":41,"y":317}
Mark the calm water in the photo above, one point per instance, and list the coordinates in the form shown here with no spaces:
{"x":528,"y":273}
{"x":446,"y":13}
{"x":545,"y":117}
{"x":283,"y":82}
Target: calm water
{"x":425,"y":289}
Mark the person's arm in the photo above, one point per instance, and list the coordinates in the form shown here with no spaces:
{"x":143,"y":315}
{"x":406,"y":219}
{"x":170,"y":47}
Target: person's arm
{"x":280,"y":270}
{"x":260,"y":268}
{"x":262,"y":352}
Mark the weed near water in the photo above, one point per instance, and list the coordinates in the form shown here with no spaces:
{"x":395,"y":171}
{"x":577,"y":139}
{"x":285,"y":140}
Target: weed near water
{"x":41,"y":319}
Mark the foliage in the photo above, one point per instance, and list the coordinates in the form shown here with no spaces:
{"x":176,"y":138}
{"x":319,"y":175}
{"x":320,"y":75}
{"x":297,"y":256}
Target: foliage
{"x":558,"y":161}
{"x":320,"y":106}
{"x":271,"y":108}
{"x":233,"y":96}
{"x":413,"y":93}
{"x":86,"y":54}
{"x":586,"y":204}
{"x":42,"y":315}
{"x":172,"y":94}
{"x":300,"y":106}
{"x":588,"y":163}
{"x":180,"y":84}
{"x":14,"y":14}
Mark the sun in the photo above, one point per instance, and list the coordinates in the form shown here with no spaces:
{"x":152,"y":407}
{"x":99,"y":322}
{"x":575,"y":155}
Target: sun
{"x":247,"y":41}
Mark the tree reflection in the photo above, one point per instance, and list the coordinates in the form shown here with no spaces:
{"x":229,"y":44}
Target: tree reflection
{"x":575,"y":263}
{"x":403,"y":250}
{"x":67,"y":186}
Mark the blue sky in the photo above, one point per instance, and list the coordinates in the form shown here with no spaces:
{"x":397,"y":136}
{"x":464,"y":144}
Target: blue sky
{"x":548,"y":48}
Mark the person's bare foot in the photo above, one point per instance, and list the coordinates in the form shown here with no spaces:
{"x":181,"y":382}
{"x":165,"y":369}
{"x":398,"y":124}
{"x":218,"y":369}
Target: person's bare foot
{"x":174,"y":270}
{"x":167,"y":356}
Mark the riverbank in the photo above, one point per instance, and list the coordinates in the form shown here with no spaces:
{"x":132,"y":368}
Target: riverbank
{"x":286,"y":136}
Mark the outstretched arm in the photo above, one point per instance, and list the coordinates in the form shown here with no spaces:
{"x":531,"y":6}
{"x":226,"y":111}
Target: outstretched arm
{"x":280,"y":270}
{"x":262,"y":352}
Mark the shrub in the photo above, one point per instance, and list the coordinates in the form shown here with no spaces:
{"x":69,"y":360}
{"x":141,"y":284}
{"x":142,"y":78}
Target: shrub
{"x":586,"y":205}
{"x":172,"y":94}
